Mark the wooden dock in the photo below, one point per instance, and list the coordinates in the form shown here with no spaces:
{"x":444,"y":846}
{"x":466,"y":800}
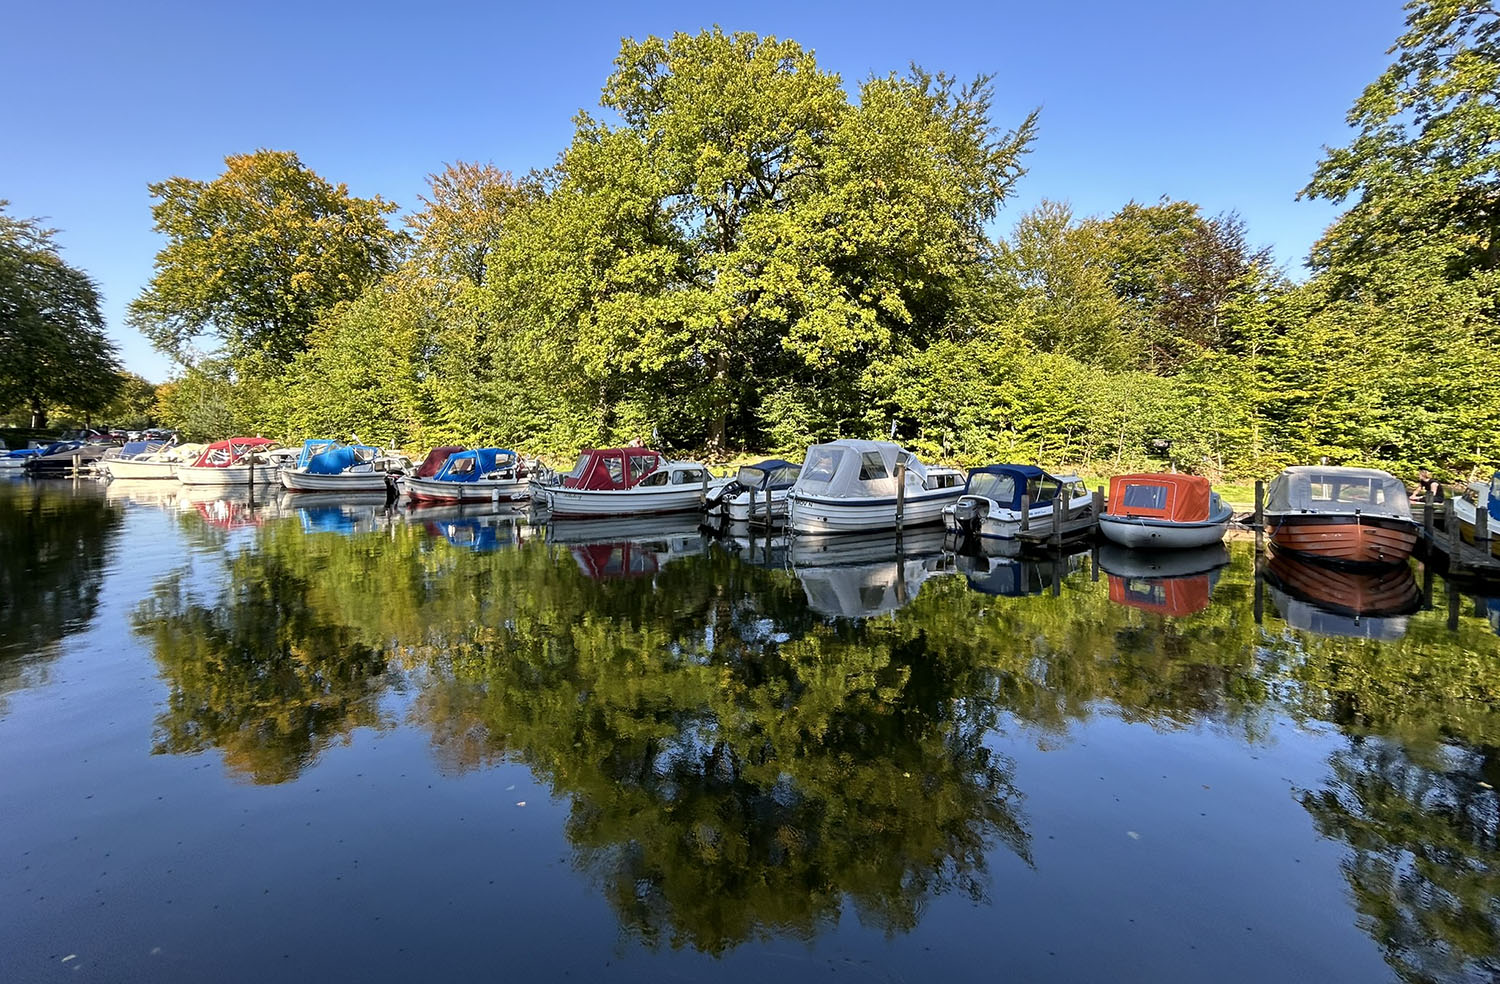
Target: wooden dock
{"x":1441,"y":544}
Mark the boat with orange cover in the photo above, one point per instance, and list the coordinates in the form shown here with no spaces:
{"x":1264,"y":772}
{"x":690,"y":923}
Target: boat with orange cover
{"x":1163,"y":512}
{"x":1351,"y":516}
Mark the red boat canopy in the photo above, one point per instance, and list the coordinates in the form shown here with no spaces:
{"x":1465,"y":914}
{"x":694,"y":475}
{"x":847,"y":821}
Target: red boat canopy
{"x":601,"y":469}
{"x":1175,"y":596}
{"x":433,"y":463}
{"x":1177,"y":498}
{"x":222,"y":454}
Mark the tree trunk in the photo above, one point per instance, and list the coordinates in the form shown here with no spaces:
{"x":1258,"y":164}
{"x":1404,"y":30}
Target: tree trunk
{"x":719,"y":434}
{"x":38,"y":414}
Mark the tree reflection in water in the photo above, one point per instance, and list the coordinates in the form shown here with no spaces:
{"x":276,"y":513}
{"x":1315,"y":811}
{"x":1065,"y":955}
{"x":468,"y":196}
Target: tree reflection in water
{"x":1424,"y":853}
{"x":739,"y":766}
{"x":56,"y":539}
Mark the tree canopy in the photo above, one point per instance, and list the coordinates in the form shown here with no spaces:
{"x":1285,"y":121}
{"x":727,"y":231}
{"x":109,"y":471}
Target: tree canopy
{"x":53,"y":348}
{"x":255,"y":256}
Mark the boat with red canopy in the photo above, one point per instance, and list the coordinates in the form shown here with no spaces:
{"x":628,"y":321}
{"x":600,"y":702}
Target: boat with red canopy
{"x":232,"y":462}
{"x":630,"y":481}
{"x":1163,"y":512}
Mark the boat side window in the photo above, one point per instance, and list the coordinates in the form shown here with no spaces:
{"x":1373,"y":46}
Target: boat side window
{"x":1145,"y":497}
{"x":1001,"y":488}
{"x":871,"y":467}
{"x":652,"y":481}
{"x":641,"y":465}
{"x":462,"y":466}
{"x":688,"y":476}
{"x":785,"y":475}
{"x":614,"y":467}
{"x":750,"y":478}
{"x":1043,"y":489}
{"x":579,"y":466}
{"x":822,"y":466}
{"x":943,"y":481}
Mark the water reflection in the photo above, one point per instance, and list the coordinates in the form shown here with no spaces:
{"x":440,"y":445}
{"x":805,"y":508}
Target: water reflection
{"x":54,"y":542}
{"x":1167,"y":582}
{"x":1336,"y":602}
{"x":753,"y":740}
{"x":1424,"y":853}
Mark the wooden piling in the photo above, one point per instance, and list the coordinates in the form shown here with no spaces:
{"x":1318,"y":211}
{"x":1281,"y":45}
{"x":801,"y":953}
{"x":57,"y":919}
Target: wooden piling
{"x":1260,"y":519}
{"x":1025,"y":513}
{"x":1482,"y":527}
{"x":1455,"y":537}
{"x":1427,"y":515}
{"x":900,"y":494}
{"x":768,"y":508}
{"x":703,"y":492}
{"x":1059,"y":514}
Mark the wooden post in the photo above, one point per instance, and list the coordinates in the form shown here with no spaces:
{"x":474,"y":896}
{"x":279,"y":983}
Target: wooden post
{"x":1482,"y":527}
{"x":1094,"y":562}
{"x":1059,"y":513}
{"x":768,"y":507}
{"x":900,"y":494}
{"x":1260,"y":516}
{"x":1057,"y":566}
{"x":1455,"y":538}
{"x":77,"y":463}
{"x":1099,"y":505}
{"x":1025,"y":513}
{"x":703,"y":492}
{"x":1452,"y":604}
{"x":1427,"y":516}
{"x":1427,"y":581}
{"x":1260,"y":592}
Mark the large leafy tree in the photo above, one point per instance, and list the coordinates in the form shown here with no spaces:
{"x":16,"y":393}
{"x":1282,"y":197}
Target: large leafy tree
{"x":741,"y":225}
{"x":52,"y":343}
{"x":254,"y":256}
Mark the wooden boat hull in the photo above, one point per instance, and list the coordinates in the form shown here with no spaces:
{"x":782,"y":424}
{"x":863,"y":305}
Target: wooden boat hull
{"x":1356,"y":540}
{"x":297,"y":480}
{"x":828,"y":514}
{"x":432,"y":490}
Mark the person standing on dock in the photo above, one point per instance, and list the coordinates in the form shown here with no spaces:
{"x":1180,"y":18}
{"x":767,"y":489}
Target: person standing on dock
{"x":1425,"y":484}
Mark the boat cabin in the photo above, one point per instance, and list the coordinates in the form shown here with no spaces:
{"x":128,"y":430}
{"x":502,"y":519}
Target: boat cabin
{"x":222,"y":454}
{"x":471,"y":466}
{"x":1332,"y":490}
{"x":1174,"y":498}
{"x":605,"y":469}
{"x":1007,"y":484}
{"x":857,"y":468}
{"x":323,"y":457}
{"x":773,"y":474}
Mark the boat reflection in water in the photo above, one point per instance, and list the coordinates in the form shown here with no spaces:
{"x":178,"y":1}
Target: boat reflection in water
{"x":1175,"y":582}
{"x":142,"y":492}
{"x":345,"y":513}
{"x":1001,"y":567}
{"x":1332,"y":602}
{"x":863,"y":576}
{"x":227,"y":508}
{"x":478,"y":526}
{"x":630,"y":546}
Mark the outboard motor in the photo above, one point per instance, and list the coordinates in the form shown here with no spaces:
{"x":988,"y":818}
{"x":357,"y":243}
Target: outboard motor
{"x":969,"y":513}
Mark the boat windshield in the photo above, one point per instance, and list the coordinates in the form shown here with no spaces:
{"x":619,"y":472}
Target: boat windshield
{"x":751,"y":478}
{"x":1001,"y":488}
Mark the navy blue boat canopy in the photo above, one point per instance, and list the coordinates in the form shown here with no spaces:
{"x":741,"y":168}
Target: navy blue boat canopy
{"x":1006,"y":484}
{"x":772,"y":473}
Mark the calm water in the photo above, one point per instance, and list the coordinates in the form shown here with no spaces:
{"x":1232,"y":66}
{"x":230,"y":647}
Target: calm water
{"x":244,"y":744}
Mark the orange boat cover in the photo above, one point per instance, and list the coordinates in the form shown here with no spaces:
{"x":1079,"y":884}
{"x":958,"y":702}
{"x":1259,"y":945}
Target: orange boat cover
{"x":1177,"y":498}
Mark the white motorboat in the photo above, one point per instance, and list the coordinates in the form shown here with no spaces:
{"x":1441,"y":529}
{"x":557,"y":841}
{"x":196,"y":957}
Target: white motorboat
{"x":852,"y":487}
{"x":235,"y":462}
{"x":160,"y":464}
{"x":452,"y":474}
{"x":329,"y":466}
{"x":1164,"y":512}
{"x":1003,"y":501}
{"x":752,"y":487}
{"x":1466,"y":511}
{"x":629,"y":482}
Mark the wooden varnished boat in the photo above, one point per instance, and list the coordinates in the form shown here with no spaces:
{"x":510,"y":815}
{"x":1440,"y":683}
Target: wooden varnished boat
{"x":1347,"y":516}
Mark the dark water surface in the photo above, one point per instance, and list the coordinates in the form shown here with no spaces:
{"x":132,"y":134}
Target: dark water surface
{"x":249,"y":744}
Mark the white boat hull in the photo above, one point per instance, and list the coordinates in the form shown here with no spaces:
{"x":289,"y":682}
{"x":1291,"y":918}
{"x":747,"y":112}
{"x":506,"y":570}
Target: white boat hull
{"x":297,"y":480}
{"x":230,"y":475}
{"x":484,"y":490}
{"x":565,"y":503}
{"x":126,"y":468}
{"x":820,"y":514}
{"x":739,"y":508}
{"x":1148,"y":535}
{"x":1002,"y":523}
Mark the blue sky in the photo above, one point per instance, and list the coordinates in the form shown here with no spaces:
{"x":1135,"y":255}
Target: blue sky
{"x":1224,"y":104}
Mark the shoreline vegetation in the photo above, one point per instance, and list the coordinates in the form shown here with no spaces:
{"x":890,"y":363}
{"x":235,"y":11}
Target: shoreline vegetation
{"x":740,"y":250}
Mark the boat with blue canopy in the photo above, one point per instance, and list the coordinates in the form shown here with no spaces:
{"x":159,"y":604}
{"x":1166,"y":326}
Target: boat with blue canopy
{"x":451,"y":474}
{"x":325,"y":465}
{"x":1003,"y":501}
{"x":745,"y":495}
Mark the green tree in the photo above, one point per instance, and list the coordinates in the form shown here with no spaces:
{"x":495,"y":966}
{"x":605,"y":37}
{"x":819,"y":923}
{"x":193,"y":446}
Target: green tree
{"x":254,"y":256}
{"x":52,"y":343}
